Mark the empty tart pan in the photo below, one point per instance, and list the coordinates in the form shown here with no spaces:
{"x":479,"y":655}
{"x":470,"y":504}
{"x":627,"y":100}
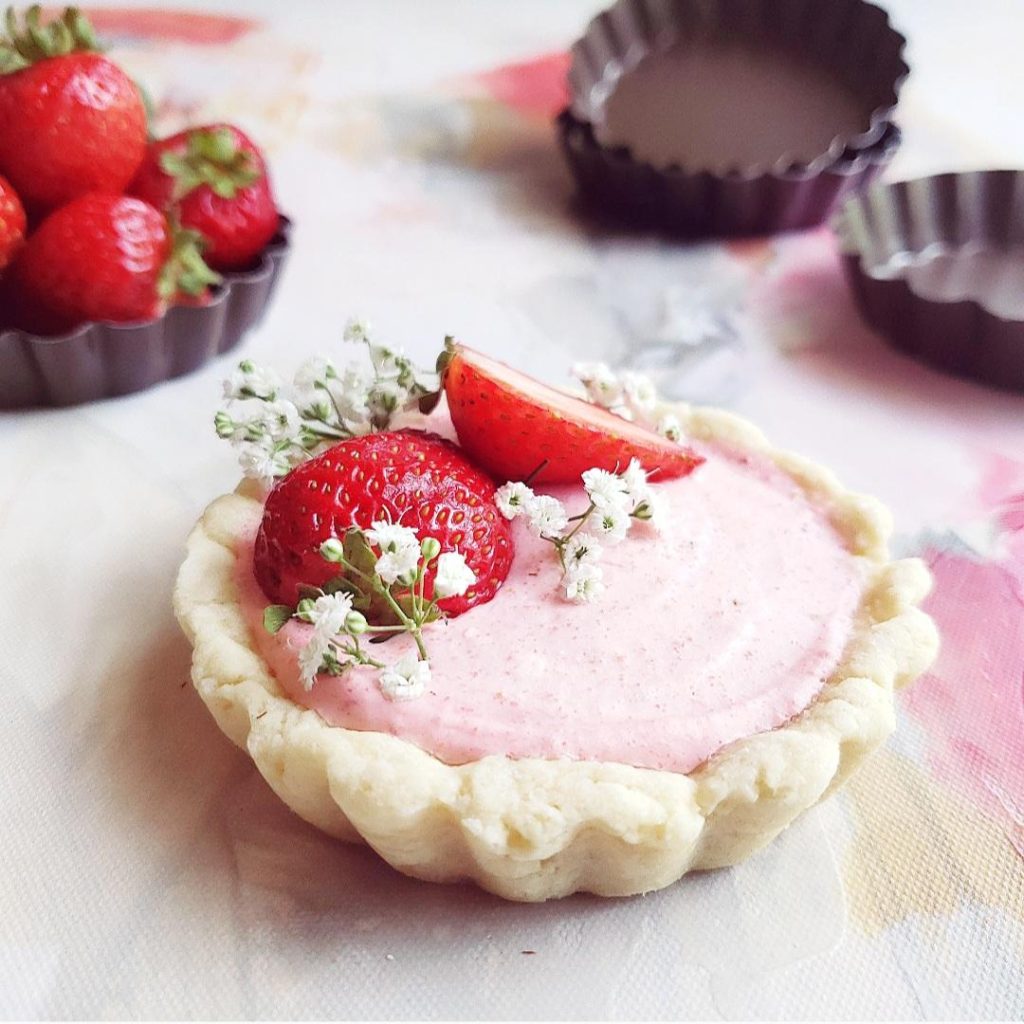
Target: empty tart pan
{"x":736,"y":90}
{"x":614,"y":186}
{"x":936,"y":266}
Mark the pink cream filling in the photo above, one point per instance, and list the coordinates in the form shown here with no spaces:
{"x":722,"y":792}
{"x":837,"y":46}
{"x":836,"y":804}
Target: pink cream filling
{"x":724,"y":624}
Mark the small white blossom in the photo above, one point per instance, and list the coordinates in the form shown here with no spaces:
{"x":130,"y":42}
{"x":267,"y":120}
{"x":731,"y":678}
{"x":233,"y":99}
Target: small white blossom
{"x":670,"y":427}
{"x":315,"y":370}
{"x":453,"y":577}
{"x":602,"y":386}
{"x":384,"y":398}
{"x":610,"y":524}
{"x":311,"y":658}
{"x":513,"y":499}
{"x":606,"y":490}
{"x":351,"y":395}
{"x":242,"y":419}
{"x":641,"y":395}
{"x":252,"y":381}
{"x":583,"y":583}
{"x":399,"y":550}
{"x":357,"y":329}
{"x":281,"y":420}
{"x":547,"y":516}
{"x":650,"y":510}
{"x":328,"y":613}
{"x":262,"y":463}
{"x":406,"y":679}
{"x":634,"y":480}
{"x":398,"y":565}
{"x":388,"y":363}
{"x":583,"y":549}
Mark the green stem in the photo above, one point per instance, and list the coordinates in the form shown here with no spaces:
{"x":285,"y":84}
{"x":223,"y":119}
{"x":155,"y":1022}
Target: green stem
{"x":395,"y":606}
{"x":372,"y":580}
{"x":322,"y":429}
{"x":534,"y":473}
{"x":361,"y":659}
{"x":423,"y":591}
{"x":582,"y":519}
{"x":419,"y":643}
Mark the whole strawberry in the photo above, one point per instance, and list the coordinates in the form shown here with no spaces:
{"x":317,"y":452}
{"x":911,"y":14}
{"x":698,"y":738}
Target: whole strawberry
{"x":216,"y":181}
{"x":407,"y":476}
{"x":12,"y":223}
{"x":71,"y":121}
{"x":105,"y":257}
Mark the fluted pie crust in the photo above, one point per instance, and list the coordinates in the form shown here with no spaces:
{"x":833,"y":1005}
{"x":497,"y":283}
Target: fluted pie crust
{"x":534,"y":829}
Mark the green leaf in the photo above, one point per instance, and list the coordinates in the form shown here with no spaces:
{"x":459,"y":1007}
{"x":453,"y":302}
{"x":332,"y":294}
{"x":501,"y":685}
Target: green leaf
{"x":339,"y":584}
{"x":210,"y":158}
{"x":428,"y":402}
{"x":358,"y":552}
{"x":275,"y":616}
{"x":185,"y":272}
{"x":372,"y":604}
{"x":32,"y":41}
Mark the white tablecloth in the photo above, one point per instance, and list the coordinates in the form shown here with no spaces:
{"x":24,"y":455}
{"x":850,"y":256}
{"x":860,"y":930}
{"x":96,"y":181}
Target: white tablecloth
{"x":147,"y":870}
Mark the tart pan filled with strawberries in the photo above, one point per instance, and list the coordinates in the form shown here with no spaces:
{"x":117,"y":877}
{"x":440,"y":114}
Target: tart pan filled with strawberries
{"x":124,"y":261}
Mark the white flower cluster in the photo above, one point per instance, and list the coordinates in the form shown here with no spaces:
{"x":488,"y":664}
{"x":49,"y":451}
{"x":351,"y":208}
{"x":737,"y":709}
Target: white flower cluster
{"x":632,"y":396}
{"x":617,"y":500}
{"x":275,"y":428}
{"x":401,"y":552}
{"x":398,"y":576}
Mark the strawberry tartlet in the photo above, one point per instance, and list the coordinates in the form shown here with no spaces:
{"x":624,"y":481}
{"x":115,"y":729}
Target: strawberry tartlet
{"x":544,"y":643}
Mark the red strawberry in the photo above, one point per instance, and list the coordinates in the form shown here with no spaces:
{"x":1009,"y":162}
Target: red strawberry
{"x":105,"y":257}
{"x":71,"y":121}
{"x":411,"y":477}
{"x":12,"y":223}
{"x":216,"y":180}
{"x":510,"y":424}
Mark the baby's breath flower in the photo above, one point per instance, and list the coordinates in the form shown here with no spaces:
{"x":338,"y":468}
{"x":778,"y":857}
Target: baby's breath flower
{"x":311,"y":658}
{"x":583,"y":583}
{"x":610,"y":524}
{"x":241,"y":420}
{"x":639,"y":392}
{"x":606,"y":490}
{"x":399,"y":550}
{"x":630,"y":395}
{"x":513,"y":499}
{"x":357,"y":329}
{"x":670,"y":427}
{"x":261,"y":462}
{"x":649,"y":510}
{"x":583,"y":549}
{"x":350,"y":393}
{"x":406,"y":679}
{"x":453,"y":577}
{"x":328,"y":613}
{"x":602,"y":386}
{"x":387,"y":363}
{"x":546,"y":516}
{"x":281,"y":420}
{"x":252,"y":381}
{"x":315,"y":370}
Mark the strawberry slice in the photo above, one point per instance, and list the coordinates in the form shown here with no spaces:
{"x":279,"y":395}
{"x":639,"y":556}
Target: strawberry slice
{"x":510,"y":424}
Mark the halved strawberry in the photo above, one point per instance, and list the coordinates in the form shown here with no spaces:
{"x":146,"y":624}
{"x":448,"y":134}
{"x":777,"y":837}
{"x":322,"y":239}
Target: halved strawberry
{"x":510,"y":424}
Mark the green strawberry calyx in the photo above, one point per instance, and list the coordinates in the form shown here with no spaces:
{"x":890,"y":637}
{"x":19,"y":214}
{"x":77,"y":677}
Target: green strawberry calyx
{"x":185,"y":272}
{"x":29,"y":42}
{"x":212,"y":157}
